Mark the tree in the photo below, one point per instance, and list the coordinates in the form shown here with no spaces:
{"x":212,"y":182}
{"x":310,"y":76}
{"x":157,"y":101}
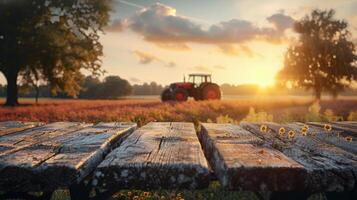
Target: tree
{"x":90,"y":88}
{"x":323,"y":59}
{"x":114,"y":86}
{"x":52,"y":39}
{"x":31,"y":79}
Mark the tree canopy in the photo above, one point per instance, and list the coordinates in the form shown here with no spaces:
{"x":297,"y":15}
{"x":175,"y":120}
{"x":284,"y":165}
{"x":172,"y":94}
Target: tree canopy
{"x":111,"y":87}
{"x":324,"y":57}
{"x":50,"y":41}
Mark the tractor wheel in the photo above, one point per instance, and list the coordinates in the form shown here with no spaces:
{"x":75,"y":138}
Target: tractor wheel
{"x":197,"y":95}
{"x":166,"y":95}
{"x":180,"y":95}
{"x":211,"y":92}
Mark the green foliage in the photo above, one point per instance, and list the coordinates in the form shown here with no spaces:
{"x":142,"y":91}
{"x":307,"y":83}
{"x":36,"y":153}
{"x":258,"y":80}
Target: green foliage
{"x":314,"y":113}
{"x":90,"y":87}
{"x":352,"y":116}
{"x":323,"y":59}
{"x":257,"y":116}
{"x":111,"y":87}
{"x":50,"y":40}
{"x":114,"y":86}
{"x":330,"y":116}
{"x":223,"y":119}
{"x":148,"y":89}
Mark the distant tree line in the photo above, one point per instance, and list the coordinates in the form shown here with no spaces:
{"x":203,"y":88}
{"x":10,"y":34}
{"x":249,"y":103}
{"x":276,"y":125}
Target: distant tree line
{"x":91,"y":88}
{"x":114,"y":87}
{"x":111,"y":87}
{"x":148,"y":89}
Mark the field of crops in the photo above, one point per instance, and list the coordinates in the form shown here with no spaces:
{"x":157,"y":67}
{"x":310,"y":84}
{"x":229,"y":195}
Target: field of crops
{"x":146,"y":110}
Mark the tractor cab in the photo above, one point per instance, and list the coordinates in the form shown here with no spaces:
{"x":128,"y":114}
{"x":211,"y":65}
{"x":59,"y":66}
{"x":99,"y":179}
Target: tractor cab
{"x":198,"y":79}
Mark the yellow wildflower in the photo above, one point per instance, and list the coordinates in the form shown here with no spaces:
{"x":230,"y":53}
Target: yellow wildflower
{"x":328,"y":127}
{"x":282,"y":131}
{"x":304,"y":130}
{"x":306,"y":127}
{"x":348,"y":139}
{"x":146,"y":194}
{"x":291,"y":134}
{"x":263,"y":128}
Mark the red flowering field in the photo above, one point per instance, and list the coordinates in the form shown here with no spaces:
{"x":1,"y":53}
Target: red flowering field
{"x":146,"y":110}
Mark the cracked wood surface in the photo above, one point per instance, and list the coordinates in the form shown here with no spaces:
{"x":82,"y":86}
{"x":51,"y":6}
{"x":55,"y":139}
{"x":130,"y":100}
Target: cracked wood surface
{"x":344,"y":128}
{"x":328,"y":167}
{"x":57,"y":154}
{"x":22,"y":139}
{"x":241,"y":161}
{"x":10,"y":127}
{"x":158,"y":155}
{"x":37,"y":157}
{"x":336,"y":136}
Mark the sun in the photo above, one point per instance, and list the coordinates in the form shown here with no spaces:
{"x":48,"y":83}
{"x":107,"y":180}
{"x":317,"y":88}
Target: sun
{"x":264,"y":79}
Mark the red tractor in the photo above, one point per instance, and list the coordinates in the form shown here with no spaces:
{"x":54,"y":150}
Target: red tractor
{"x":199,"y":86}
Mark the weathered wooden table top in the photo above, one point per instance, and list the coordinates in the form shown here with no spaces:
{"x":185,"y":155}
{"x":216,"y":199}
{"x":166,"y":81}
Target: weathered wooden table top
{"x":158,"y":155}
{"x":275,"y":157}
{"x":44,"y":158}
{"x":249,"y":156}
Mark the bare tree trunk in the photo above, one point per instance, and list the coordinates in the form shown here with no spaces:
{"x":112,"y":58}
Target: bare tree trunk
{"x":12,"y":95}
{"x":317,"y":94}
{"x":37,"y":93}
{"x":334,"y":95}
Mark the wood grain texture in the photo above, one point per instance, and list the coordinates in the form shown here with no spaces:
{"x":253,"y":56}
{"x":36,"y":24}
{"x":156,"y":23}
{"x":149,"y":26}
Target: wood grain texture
{"x":344,"y":128}
{"x":22,"y":139}
{"x":337,"y":136}
{"x":158,"y":155}
{"x":10,"y":127}
{"x":65,"y":158}
{"x":329,"y":168}
{"x":242,"y":162}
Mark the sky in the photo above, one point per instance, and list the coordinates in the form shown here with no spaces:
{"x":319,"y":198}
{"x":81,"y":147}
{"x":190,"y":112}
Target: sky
{"x":237,"y":41}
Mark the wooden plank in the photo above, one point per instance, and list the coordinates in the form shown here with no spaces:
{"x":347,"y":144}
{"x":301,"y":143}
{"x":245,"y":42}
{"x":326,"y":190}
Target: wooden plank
{"x":10,"y":127}
{"x":61,"y":161}
{"x":345,"y":129}
{"x":347,"y":123}
{"x":22,"y":139}
{"x":158,"y":155}
{"x":336,"y":136}
{"x":241,"y":161}
{"x":329,"y":168}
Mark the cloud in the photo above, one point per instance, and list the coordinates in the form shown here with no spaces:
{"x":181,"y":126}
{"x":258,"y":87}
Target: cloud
{"x":160,"y":24}
{"x":146,"y":58}
{"x":135,"y":80}
{"x":247,"y":51}
{"x":219,"y":67}
{"x":281,"y":21}
{"x":173,"y":46}
{"x":232,"y":50}
{"x":201,"y":68}
{"x":171,"y":64}
{"x":117,"y":26}
{"x":228,"y":49}
{"x":207,"y":69}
